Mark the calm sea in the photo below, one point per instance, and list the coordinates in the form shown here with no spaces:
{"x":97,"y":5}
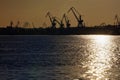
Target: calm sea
{"x":70,"y":57}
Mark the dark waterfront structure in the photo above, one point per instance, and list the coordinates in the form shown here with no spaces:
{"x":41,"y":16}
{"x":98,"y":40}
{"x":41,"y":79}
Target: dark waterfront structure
{"x":112,"y":30}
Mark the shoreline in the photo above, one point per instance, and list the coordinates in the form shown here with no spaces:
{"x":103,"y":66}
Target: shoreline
{"x":61,"y":31}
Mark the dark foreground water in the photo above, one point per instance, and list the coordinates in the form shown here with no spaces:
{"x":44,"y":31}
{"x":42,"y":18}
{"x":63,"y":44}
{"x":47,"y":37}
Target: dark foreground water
{"x":73,"y":57}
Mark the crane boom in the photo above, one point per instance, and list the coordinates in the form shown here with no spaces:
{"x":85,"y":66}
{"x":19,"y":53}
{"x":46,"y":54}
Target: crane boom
{"x":62,"y":18}
{"x":50,"y":17}
{"x":56,"y":19}
{"x":60,"y":22}
{"x":52,"y":20}
{"x":76,"y":11}
{"x":71,"y":9}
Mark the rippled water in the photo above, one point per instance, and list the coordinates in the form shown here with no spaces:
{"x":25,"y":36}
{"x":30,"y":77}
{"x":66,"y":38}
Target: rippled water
{"x":73,"y":57}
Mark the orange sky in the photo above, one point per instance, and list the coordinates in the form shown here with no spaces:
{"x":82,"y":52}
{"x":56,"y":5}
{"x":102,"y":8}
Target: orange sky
{"x":94,"y":12}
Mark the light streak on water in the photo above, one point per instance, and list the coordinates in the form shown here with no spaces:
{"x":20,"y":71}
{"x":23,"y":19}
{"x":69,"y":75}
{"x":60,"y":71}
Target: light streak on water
{"x":101,"y":58}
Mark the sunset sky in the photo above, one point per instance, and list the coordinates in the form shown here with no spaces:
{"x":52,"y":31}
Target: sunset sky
{"x":94,"y":12}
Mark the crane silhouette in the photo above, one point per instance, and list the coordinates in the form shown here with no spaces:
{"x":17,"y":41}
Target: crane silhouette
{"x":52,"y":20}
{"x":78,"y":18}
{"x":67,"y":21}
{"x":60,"y":22}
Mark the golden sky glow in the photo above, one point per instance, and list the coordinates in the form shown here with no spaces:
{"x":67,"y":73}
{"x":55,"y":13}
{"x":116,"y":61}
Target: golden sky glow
{"x":95,"y":11}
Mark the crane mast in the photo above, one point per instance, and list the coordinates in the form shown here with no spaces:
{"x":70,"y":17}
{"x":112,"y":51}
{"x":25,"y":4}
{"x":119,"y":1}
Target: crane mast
{"x":66,"y":21}
{"x":79,"y":19}
{"x":61,"y":23}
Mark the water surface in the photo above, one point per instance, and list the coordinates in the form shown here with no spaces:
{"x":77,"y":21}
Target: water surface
{"x":70,"y":57}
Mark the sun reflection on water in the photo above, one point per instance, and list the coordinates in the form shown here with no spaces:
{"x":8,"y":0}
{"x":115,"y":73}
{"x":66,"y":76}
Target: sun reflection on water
{"x":101,"y":39}
{"x":100,"y":59}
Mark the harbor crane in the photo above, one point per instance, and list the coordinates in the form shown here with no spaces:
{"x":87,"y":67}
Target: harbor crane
{"x":52,"y":20}
{"x":60,"y":22}
{"x":78,"y":18}
{"x":117,"y":22}
{"x":67,"y":21}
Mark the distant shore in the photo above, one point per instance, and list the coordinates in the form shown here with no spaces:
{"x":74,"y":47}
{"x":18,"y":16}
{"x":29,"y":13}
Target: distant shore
{"x":109,"y":30}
